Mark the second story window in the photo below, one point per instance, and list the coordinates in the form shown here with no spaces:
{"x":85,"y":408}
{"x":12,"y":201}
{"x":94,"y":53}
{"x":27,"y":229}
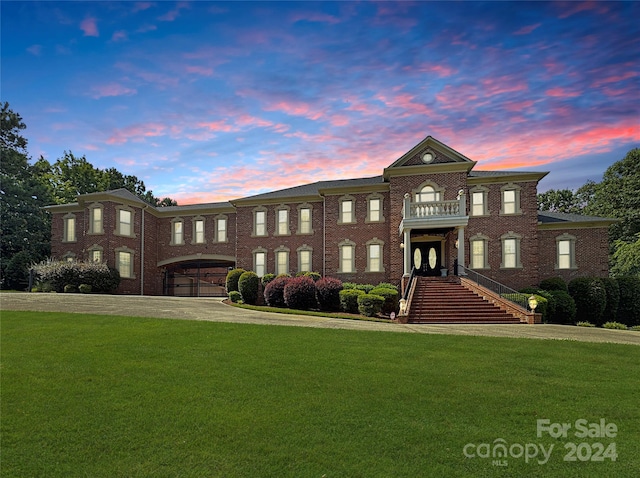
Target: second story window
{"x":69,"y":233}
{"x":95,"y":220}
{"x":260,"y":223}
{"x":198,"y":231}
{"x":347,"y":211}
{"x":282,"y":218}
{"x":125,"y":226}
{"x":305,"y":220}
{"x":177,"y":232}
{"x":221,"y":229}
{"x":375,"y":209}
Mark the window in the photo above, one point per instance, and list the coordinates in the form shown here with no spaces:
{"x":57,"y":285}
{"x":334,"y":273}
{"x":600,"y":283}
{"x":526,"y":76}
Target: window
{"x":304,"y":220}
{"x":95,"y":219}
{"x":260,"y":262}
{"x":428,"y":194}
{"x":177,"y":232}
{"x":282,"y":260}
{"x":198,"y":231}
{"x":511,"y":251}
{"x":479,"y":201}
{"x":566,"y":257}
{"x":125,"y":222}
{"x":479,"y":248}
{"x":124,"y":262}
{"x":69,"y":232}
{"x":347,"y":210}
{"x":260,"y":223}
{"x":282,"y":224}
{"x":304,"y":259}
{"x":95,"y":253}
{"x":510,"y":199}
{"x":374,"y":255}
{"x":347,"y":257}
{"x":69,"y":256}
{"x":374,"y":209}
{"x":221,"y":229}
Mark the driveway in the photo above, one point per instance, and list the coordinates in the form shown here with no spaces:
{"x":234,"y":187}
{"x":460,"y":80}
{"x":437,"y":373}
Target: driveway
{"x":212,"y":309}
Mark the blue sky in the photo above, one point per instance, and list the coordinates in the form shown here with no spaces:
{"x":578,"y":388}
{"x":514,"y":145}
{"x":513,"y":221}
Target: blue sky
{"x":210,"y":101}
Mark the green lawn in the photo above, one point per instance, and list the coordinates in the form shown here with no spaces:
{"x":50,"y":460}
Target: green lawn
{"x":105,"y":396}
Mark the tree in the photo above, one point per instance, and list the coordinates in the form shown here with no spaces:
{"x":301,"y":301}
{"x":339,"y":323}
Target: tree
{"x":626,"y":258}
{"x":560,"y":200}
{"x":24,"y":227}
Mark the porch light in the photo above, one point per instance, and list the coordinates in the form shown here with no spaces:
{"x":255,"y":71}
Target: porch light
{"x":457,"y":243}
{"x":402,"y":245}
{"x":533,"y":303}
{"x":403,"y":306}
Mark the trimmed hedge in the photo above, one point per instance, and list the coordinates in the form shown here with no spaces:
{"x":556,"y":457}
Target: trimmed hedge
{"x":367,"y":288}
{"x":233,"y":276}
{"x":267,"y":278}
{"x":274,"y":292}
{"x":349,"y":300}
{"x":235,"y":296}
{"x":554,"y":283}
{"x":328,"y":294}
{"x":388,"y":285}
{"x":248,"y":285}
{"x":565,"y":312}
{"x":300,"y":293}
{"x":391,"y":298}
{"x":590,"y":297}
{"x":370,"y":304}
{"x":629,"y":307}
{"x":612,"y":289}
{"x":314,"y":275}
{"x":56,"y":275}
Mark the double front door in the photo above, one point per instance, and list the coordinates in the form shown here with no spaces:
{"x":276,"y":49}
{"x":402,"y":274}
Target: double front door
{"x":427,"y":258}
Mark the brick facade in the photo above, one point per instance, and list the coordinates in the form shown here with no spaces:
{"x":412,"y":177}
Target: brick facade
{"x":160,"y":265}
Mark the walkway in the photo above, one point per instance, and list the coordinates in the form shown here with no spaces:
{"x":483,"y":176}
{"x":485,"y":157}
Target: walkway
{"x":213,"y":309}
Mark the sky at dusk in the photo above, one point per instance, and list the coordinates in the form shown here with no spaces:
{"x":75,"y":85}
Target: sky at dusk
{"x":211,"y":101}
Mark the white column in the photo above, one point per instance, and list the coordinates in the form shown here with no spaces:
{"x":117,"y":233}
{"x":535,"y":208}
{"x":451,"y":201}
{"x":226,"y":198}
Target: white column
{"x":407,"y":252}
{"x":461,"y":249}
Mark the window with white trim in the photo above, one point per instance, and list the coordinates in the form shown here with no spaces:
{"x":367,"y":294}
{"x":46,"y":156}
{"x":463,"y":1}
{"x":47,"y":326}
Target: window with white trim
{"x":282,"y":260}
{"x":95,"y":219}
{"x":95,"y":253}
{"x":374,"y":208}
{"x":282,"y":222}
{"x":198,"y":231}
{"x":347,"y":257}
{"x":374,"y":255}
{"x":566,"y":256}
{"x":260,"y":262}
{"x":511,"y":251}
{"x":221,"y":229}
{"x":124,"y":225}
{"x":347,"y":210}
{"x":510,"y":199}
{"x":304,"y":220}
{"x":479,"y":246}
{"x":305,"y":254}
{"x":479,"y":201}
{"x":260,"y":222}
{"x":177,"y":232}
{"x":69,"y":231}
{"x":124,"y":262}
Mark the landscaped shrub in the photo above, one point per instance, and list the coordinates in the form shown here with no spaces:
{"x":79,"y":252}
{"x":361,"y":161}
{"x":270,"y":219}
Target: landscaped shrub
{"x":233,"y":276}
{"x":349,"y":300}
{"x":15,"y":274}
{"x":349,"y":285}
{"x":629,"y":306}
{"x":612,"y":288}
{"x":585,"y":324}
{"x":565,"y":312}
{"x":388,"y":285}
{"x":314,"y":275}
{"x":267,"y":278}
{"x":235,"y":296}
{"x":548,"y":310}
{"x":300,"y":293}
{"x":58,"y":274}
{"x":370,"y":304}
{"x":590,"y":297}
{"x":248,"y":284}
{"x":274,"y":292}
{"x":554,"y":283}
{"x":615,"y":325}
{"x":328,"y":293}
{"x":70,"y":288}
{"x":84,"y":288}
{"x":367,"y":288}
{"x":635,"y":328}
{"x":391,"y":298}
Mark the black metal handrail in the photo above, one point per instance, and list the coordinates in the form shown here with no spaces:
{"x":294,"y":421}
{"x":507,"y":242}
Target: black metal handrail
{"x":502,"y":290}
{"x":405,"y":295}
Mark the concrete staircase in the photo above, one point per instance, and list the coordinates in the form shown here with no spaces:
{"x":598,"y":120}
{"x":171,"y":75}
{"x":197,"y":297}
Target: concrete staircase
{"x":444,"y":301}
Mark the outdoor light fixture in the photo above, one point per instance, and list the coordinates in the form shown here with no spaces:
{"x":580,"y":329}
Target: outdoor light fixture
{"x":402,"y":245}
{"x":457,"y":243}
{"x":403,"y":306}
{"x":533,"y":303}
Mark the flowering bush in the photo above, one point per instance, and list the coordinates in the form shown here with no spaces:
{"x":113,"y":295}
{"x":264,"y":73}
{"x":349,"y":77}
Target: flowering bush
{"x":328,"y":293}
{"x":58,"y":274}
{"x":300,"y":293}
{"x":274,"y":292}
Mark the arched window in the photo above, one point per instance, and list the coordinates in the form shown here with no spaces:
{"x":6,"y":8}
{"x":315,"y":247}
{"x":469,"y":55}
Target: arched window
{"x":427,"y":194}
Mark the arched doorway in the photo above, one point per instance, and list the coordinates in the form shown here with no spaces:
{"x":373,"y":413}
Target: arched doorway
{"x":199,"y":276}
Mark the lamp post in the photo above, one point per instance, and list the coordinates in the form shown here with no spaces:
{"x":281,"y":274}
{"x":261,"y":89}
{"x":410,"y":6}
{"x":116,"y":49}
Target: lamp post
{"x":533,"y":303}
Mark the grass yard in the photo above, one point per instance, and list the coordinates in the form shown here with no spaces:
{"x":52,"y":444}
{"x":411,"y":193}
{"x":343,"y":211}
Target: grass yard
{"x":104,"y":396}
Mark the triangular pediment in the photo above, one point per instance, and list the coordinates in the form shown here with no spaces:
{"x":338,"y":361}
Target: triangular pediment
{"x":430,"y":151}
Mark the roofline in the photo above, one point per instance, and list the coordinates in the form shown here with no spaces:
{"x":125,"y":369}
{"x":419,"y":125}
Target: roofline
{"x":512,"y":176}
{"x":438,"y":168}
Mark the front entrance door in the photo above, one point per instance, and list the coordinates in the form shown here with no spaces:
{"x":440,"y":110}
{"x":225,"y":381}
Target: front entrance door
{"x":426,"y":258}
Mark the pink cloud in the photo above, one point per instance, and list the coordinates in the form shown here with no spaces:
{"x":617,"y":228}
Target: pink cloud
{"x":200,"y":70}
{"x":89,"y":27}
{"x":111,"y":89}
{"x":572,"y":8}
{"x":314,"y":17}
{"x":294,"y":108}
{"x":137,"y":133}
{"x":527,"y":29}
{"x":171,"y":15}
{"x":217,"y":126}
{"x":559,"y":92}
{"x":119,"y":35}
{"x":140,"y":6}
{"x":35,"y":50}
{"x":441,"y":71}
